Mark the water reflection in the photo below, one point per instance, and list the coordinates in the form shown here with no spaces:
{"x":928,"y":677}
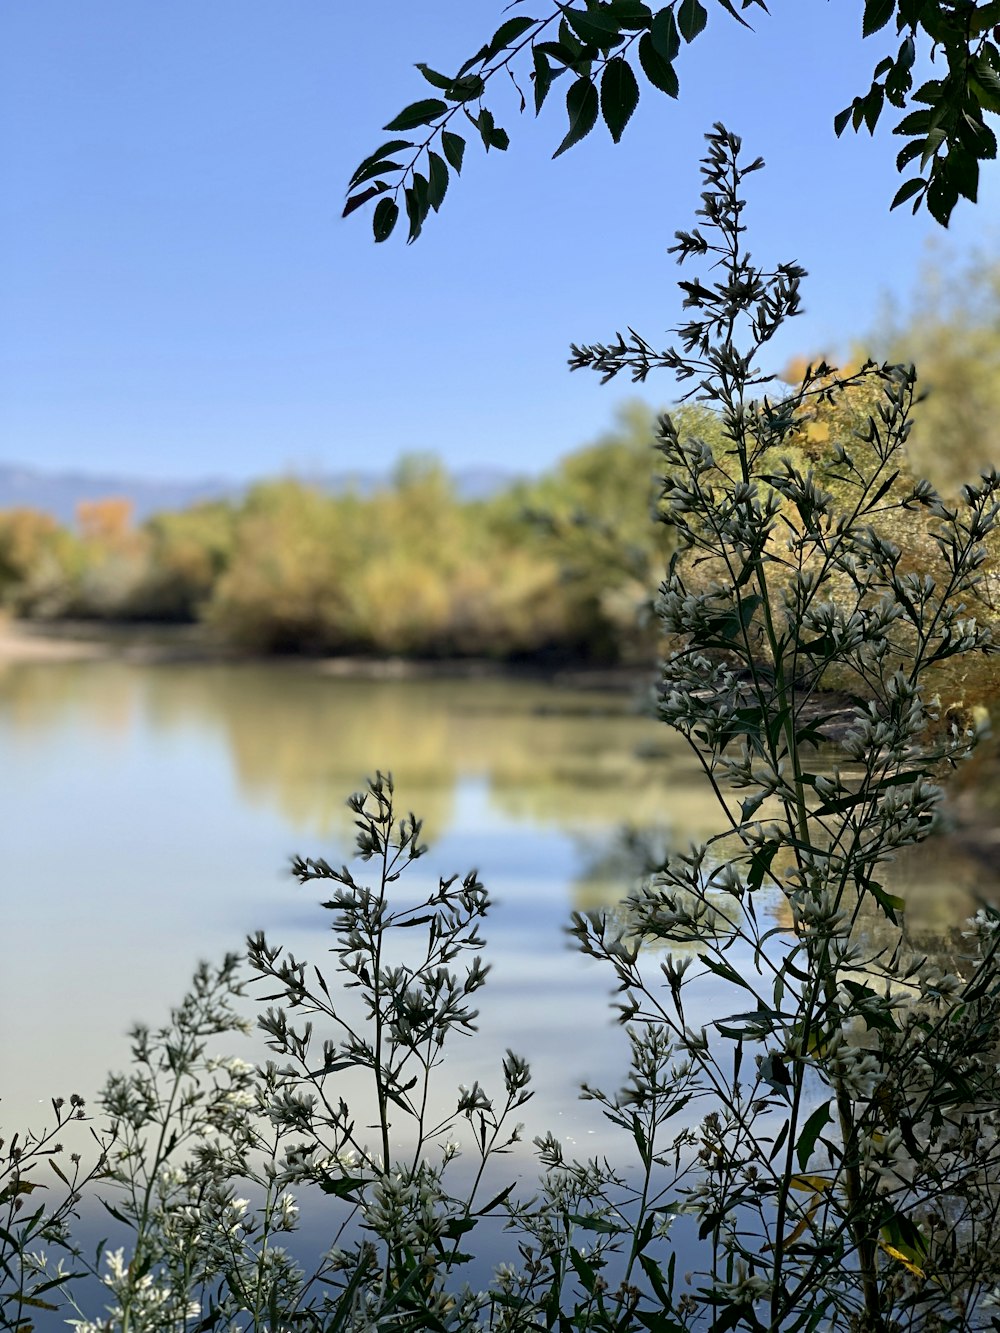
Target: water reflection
{"x":298,"y":741}
{"x":150,"y":811}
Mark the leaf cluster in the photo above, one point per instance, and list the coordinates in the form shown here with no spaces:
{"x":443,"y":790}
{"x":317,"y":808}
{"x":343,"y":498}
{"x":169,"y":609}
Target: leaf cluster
{"x":595,"y":48}
{"x":600,"y":48}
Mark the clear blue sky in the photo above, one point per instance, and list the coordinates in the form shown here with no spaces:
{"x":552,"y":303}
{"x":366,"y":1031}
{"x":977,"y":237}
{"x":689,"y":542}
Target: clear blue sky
{"x":181,"y":298}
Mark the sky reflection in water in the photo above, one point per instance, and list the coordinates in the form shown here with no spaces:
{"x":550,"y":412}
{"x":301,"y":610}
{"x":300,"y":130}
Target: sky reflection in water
{"x":150,"y":813}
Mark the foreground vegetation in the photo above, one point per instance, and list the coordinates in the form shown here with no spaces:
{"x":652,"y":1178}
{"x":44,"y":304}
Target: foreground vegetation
{"x":824,"y":1142}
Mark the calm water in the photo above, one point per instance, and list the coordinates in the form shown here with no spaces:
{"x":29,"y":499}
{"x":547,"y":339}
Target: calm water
{"x":149,"y":814}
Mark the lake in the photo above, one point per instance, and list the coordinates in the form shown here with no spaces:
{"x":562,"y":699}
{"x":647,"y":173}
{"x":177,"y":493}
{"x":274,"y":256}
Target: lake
{"x":150,"y":813}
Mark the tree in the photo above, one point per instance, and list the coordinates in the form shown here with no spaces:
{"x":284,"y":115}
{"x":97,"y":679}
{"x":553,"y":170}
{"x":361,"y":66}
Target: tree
{"x":951,"y":331}
{"x":598,"y":45}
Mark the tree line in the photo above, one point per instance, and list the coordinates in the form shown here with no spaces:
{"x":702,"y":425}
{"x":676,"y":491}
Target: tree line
{"x":557,"y":565}
{"x":562,"y":566}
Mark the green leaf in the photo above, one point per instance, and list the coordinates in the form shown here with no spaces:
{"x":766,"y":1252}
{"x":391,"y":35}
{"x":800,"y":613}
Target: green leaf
{"x":963,"y":172}
{"x":497,"y":1200}
{"x":37,"y":1304}
{"x":454,"y":148}
{"x":357,"y":200}
{"x":840,"y":121}
{"x":929,"y":92}
{"x":751,"y":804}
{"x":658,"y":71}
{"x":118,"y":1216}
{"x":774,"y":1072}
{"x":466,"y":89}
{"x":437,"y":184}
{"x":657,"y":1322}
{"x":619,"y":95}
{"x":873,"y":104}
{"x":906,"y":155}
{"x":978,"y":138}
{"x":917,"y":122}
{"x":907,"y":189}
{"x":481,"y":55}
{"x":730,"y":8}
{"x":760,"y":863}
{"x":779,"y":1142}
{"x":631,"y":13}
{"x":542,"y":78}
{"x":726,"y":971}
{"x":386,"y":213}
{"x":666,"y":38}
{"x":343,"y":1187}
{"x":811,"y":1130}
{"x":691,"y":19}
{"x":557,"y":51}
{"x":572,"y":43}
{"x":595,"y":27}
{"x":987,"y":74}
{"x":888,"y":902}
{"x":418,"y":113}
{"x":376,"y":169}
{"x":935,"y":138}
{"x":877,"y":15}
{"x":387,"y":150}
{"x":491,"y":135}
{"x":655,"y":1274}
{"x":585,"y":1271}
{"x":588,"y":1222}
{"x":581,"y":107}
{"x":509,"y":32}
{"x":435,"y":79}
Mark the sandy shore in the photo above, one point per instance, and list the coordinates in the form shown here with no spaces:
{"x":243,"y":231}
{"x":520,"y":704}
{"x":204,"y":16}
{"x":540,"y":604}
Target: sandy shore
{"x":78,"y":641}
{"x":24,"y":643}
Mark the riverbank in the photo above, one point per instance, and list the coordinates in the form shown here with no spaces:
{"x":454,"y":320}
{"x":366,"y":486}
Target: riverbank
{"x":39,"y":642}
{"x":76,"y":641}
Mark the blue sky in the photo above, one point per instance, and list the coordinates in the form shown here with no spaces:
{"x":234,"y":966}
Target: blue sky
{"x":181,"y":298}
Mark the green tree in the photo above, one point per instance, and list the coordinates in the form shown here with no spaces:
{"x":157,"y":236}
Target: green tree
{"x":189,"y":551}
{"x":591,"y":515}
{"x":597,"y":49}
{"x":952,"y":332}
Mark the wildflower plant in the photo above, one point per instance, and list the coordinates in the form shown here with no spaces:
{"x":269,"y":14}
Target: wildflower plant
{"x":389,"y":1150}
{"x":38,"y":1255}
{"x":810,"y":1113}
{"x":845,"y":1171}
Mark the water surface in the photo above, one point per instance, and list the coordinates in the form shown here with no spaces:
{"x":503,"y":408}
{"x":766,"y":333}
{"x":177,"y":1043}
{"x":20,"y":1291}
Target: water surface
{"x":150,"y":813}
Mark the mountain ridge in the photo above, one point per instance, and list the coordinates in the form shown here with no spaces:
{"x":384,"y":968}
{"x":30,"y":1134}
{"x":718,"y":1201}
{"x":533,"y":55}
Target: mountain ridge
{"x":59,"y":492}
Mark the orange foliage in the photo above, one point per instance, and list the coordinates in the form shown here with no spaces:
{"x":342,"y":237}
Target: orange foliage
{"x":106,"y":521}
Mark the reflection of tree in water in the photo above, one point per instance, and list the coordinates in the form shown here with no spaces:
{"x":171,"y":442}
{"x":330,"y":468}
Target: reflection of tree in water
{"x":544,"y":756}
{"x":616,"y":865}
{"x":577,"y":760}
{"x":301,"y":741}
{"x":38,"y":698}
{"x":942,"y":882}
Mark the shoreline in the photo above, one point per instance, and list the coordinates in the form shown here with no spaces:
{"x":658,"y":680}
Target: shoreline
{"x":36,"y":643}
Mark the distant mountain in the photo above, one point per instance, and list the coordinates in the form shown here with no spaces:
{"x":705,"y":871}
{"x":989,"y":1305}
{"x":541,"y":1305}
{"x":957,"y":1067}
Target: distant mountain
{"x":59,"y":493}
